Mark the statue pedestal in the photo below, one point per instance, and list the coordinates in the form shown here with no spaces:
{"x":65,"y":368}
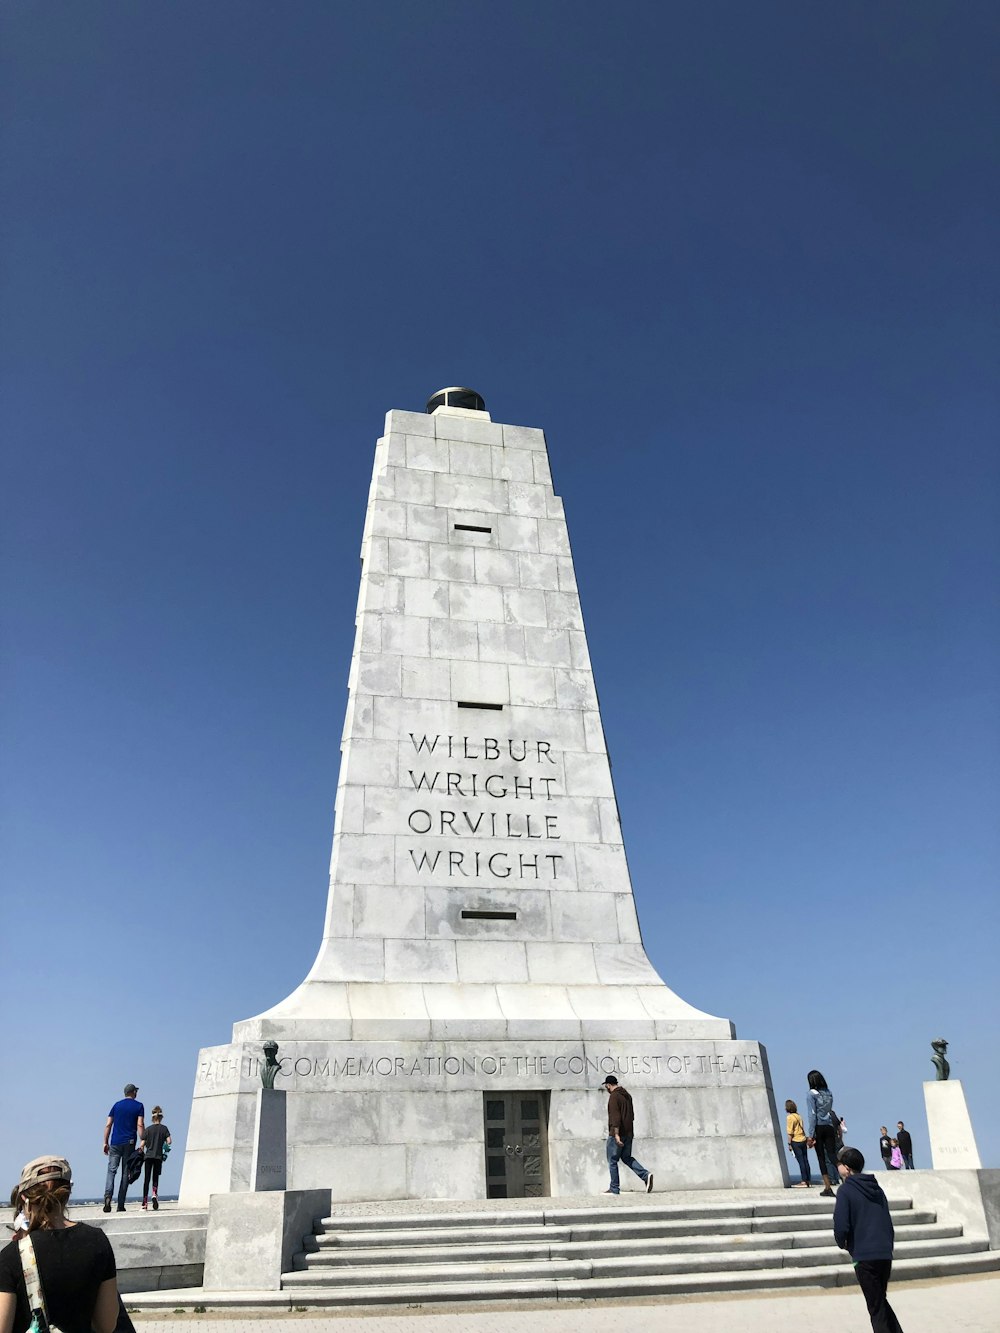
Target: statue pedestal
{"x":268,"y":1168}
{"x":949,"y":1127}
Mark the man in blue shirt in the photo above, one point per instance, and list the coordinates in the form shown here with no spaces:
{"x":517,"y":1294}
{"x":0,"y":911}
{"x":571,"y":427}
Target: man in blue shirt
{"x":124,"y":1125}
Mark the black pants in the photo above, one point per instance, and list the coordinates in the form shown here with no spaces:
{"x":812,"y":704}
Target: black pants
{"x":873,"y":1279}
{"x":826,"y":1148}
{"x":151,"y":1166}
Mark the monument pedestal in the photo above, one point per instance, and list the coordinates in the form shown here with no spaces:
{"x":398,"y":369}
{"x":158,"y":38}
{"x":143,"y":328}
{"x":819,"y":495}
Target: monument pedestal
{"x":949,"y":1127}
{"x":269,"y":1163}
{"x":481,"y":970}
{"x":411,"y":1120}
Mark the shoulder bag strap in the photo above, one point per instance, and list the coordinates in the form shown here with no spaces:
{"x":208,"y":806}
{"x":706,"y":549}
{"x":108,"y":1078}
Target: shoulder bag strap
{"x":32,"y":1281}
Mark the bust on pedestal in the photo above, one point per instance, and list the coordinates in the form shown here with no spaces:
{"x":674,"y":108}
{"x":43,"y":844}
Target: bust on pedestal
{"x":268,"y":1167}
{"x":949,"y":1126}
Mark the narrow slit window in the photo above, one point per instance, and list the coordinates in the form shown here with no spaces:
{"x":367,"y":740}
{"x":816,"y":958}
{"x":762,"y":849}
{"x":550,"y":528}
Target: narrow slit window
{"x":470,"y":527}
{"x":489,"y":916}
{"x":468,"y":703}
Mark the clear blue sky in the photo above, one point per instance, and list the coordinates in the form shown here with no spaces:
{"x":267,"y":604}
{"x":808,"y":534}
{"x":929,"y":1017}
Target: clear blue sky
{"x":740,"y":261}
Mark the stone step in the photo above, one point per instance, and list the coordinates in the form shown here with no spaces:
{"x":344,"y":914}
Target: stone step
{"x":611,"y":1211}
{"x":635,"y":1226}
{"x":617,"y":1285}
{"x":907,"y":1249}
{"x":496,"y":1269}
{"x":315,"y":1256}
{"x":722,"y":1284}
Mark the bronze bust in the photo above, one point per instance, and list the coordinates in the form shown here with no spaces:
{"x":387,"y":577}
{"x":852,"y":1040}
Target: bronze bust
{"x":271,"y":1064}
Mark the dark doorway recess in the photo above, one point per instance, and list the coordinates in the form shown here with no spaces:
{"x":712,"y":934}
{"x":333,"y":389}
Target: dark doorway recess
{"x":516,"y":1133}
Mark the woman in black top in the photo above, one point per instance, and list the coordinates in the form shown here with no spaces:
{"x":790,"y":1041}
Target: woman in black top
{"x":76,"y":1265}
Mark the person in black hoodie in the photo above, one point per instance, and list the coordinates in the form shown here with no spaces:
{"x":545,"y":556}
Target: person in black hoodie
{"x":905,"y":1145}
{"x":862,"y":1226}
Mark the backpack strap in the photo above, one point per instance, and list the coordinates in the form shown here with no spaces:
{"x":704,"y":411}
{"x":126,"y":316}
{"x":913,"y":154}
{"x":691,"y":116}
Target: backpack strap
{"x":32,"y":1280}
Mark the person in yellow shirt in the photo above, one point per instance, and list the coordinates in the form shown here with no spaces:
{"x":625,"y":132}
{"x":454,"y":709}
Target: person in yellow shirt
{"x":797,"y":1143}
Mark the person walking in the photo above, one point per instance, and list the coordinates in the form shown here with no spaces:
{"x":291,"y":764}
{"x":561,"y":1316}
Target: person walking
{"x":124,"y":1125}
{"x":863,"y":1227}
{"x":797,"y":1144}
{"x":822,"y":1130}
{"x":155,"y":1146}
{"x":885,"y":1148}
{"x":905,"y":1145}
{"x":621,"y":1125}
{"x":73,"y":1264}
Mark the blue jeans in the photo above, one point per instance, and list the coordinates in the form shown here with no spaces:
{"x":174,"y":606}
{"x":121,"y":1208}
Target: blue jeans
{"x":622,"y":1152}
{"x":802,"y":1157}
{"x":118,"y":1155}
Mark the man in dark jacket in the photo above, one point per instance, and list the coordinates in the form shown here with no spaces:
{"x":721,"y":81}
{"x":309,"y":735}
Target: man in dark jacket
{"x":621,"y":1125}
{"x":862,"y":1226}
{"x":905,"y":1145}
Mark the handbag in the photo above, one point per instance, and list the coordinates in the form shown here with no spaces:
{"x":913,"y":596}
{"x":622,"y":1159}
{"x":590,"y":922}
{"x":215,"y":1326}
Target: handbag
{"x":33,"y":1286}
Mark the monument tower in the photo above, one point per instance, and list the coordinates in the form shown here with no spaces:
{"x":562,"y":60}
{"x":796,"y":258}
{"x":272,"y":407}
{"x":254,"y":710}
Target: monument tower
{"x":481,"y":969}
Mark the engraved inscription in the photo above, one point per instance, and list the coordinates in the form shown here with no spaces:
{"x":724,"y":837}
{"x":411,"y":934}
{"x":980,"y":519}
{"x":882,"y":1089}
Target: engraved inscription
{"x":462,"y":820}
{"x":481,"y":1064}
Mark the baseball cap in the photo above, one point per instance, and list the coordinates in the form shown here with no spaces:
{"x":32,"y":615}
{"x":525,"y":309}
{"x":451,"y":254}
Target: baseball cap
{"x":45,"y":1168}
{"x":610,"y":1079}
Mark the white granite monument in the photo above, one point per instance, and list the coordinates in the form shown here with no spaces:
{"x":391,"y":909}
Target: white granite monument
{"x":481,"y":969}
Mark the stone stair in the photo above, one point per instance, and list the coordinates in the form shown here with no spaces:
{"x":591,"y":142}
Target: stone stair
{"x":631,"y":1249}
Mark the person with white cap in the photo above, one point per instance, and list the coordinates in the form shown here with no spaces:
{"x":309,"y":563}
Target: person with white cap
{"x":63,"y":1269}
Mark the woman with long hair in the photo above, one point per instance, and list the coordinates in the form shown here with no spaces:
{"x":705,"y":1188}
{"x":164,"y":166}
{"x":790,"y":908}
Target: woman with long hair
{"x":797,"y":1142}
{"x":156,"y":1143}
{"x":75,"y":1263}
{"x":822,"y":1130}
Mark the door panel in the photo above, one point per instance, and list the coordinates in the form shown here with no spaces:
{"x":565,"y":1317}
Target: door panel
{"x":516,"y":1141}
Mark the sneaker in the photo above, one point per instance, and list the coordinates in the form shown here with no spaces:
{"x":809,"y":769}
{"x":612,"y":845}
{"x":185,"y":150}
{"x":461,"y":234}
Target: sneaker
{"x":145,"y":1205}
{"x":614,"y":1192}
{"x":107,"y":1203}
{"x":119,"y":1209}
{"x":156,"y":1203}
{"x":826,"y":1194}
{"x":649,"y":1183}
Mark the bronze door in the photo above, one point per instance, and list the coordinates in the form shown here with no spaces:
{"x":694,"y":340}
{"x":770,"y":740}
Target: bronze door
{"x":516,"y":1126}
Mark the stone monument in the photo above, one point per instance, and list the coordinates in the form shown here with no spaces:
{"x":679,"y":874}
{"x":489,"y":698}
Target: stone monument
{"x":949,"y":1125}
{"x":481,"y":969}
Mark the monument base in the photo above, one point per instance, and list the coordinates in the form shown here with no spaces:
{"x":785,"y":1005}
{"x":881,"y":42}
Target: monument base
{"x":949,"y":1127}
{"x":472,"y":1120}
{"x":252,"y":1240}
